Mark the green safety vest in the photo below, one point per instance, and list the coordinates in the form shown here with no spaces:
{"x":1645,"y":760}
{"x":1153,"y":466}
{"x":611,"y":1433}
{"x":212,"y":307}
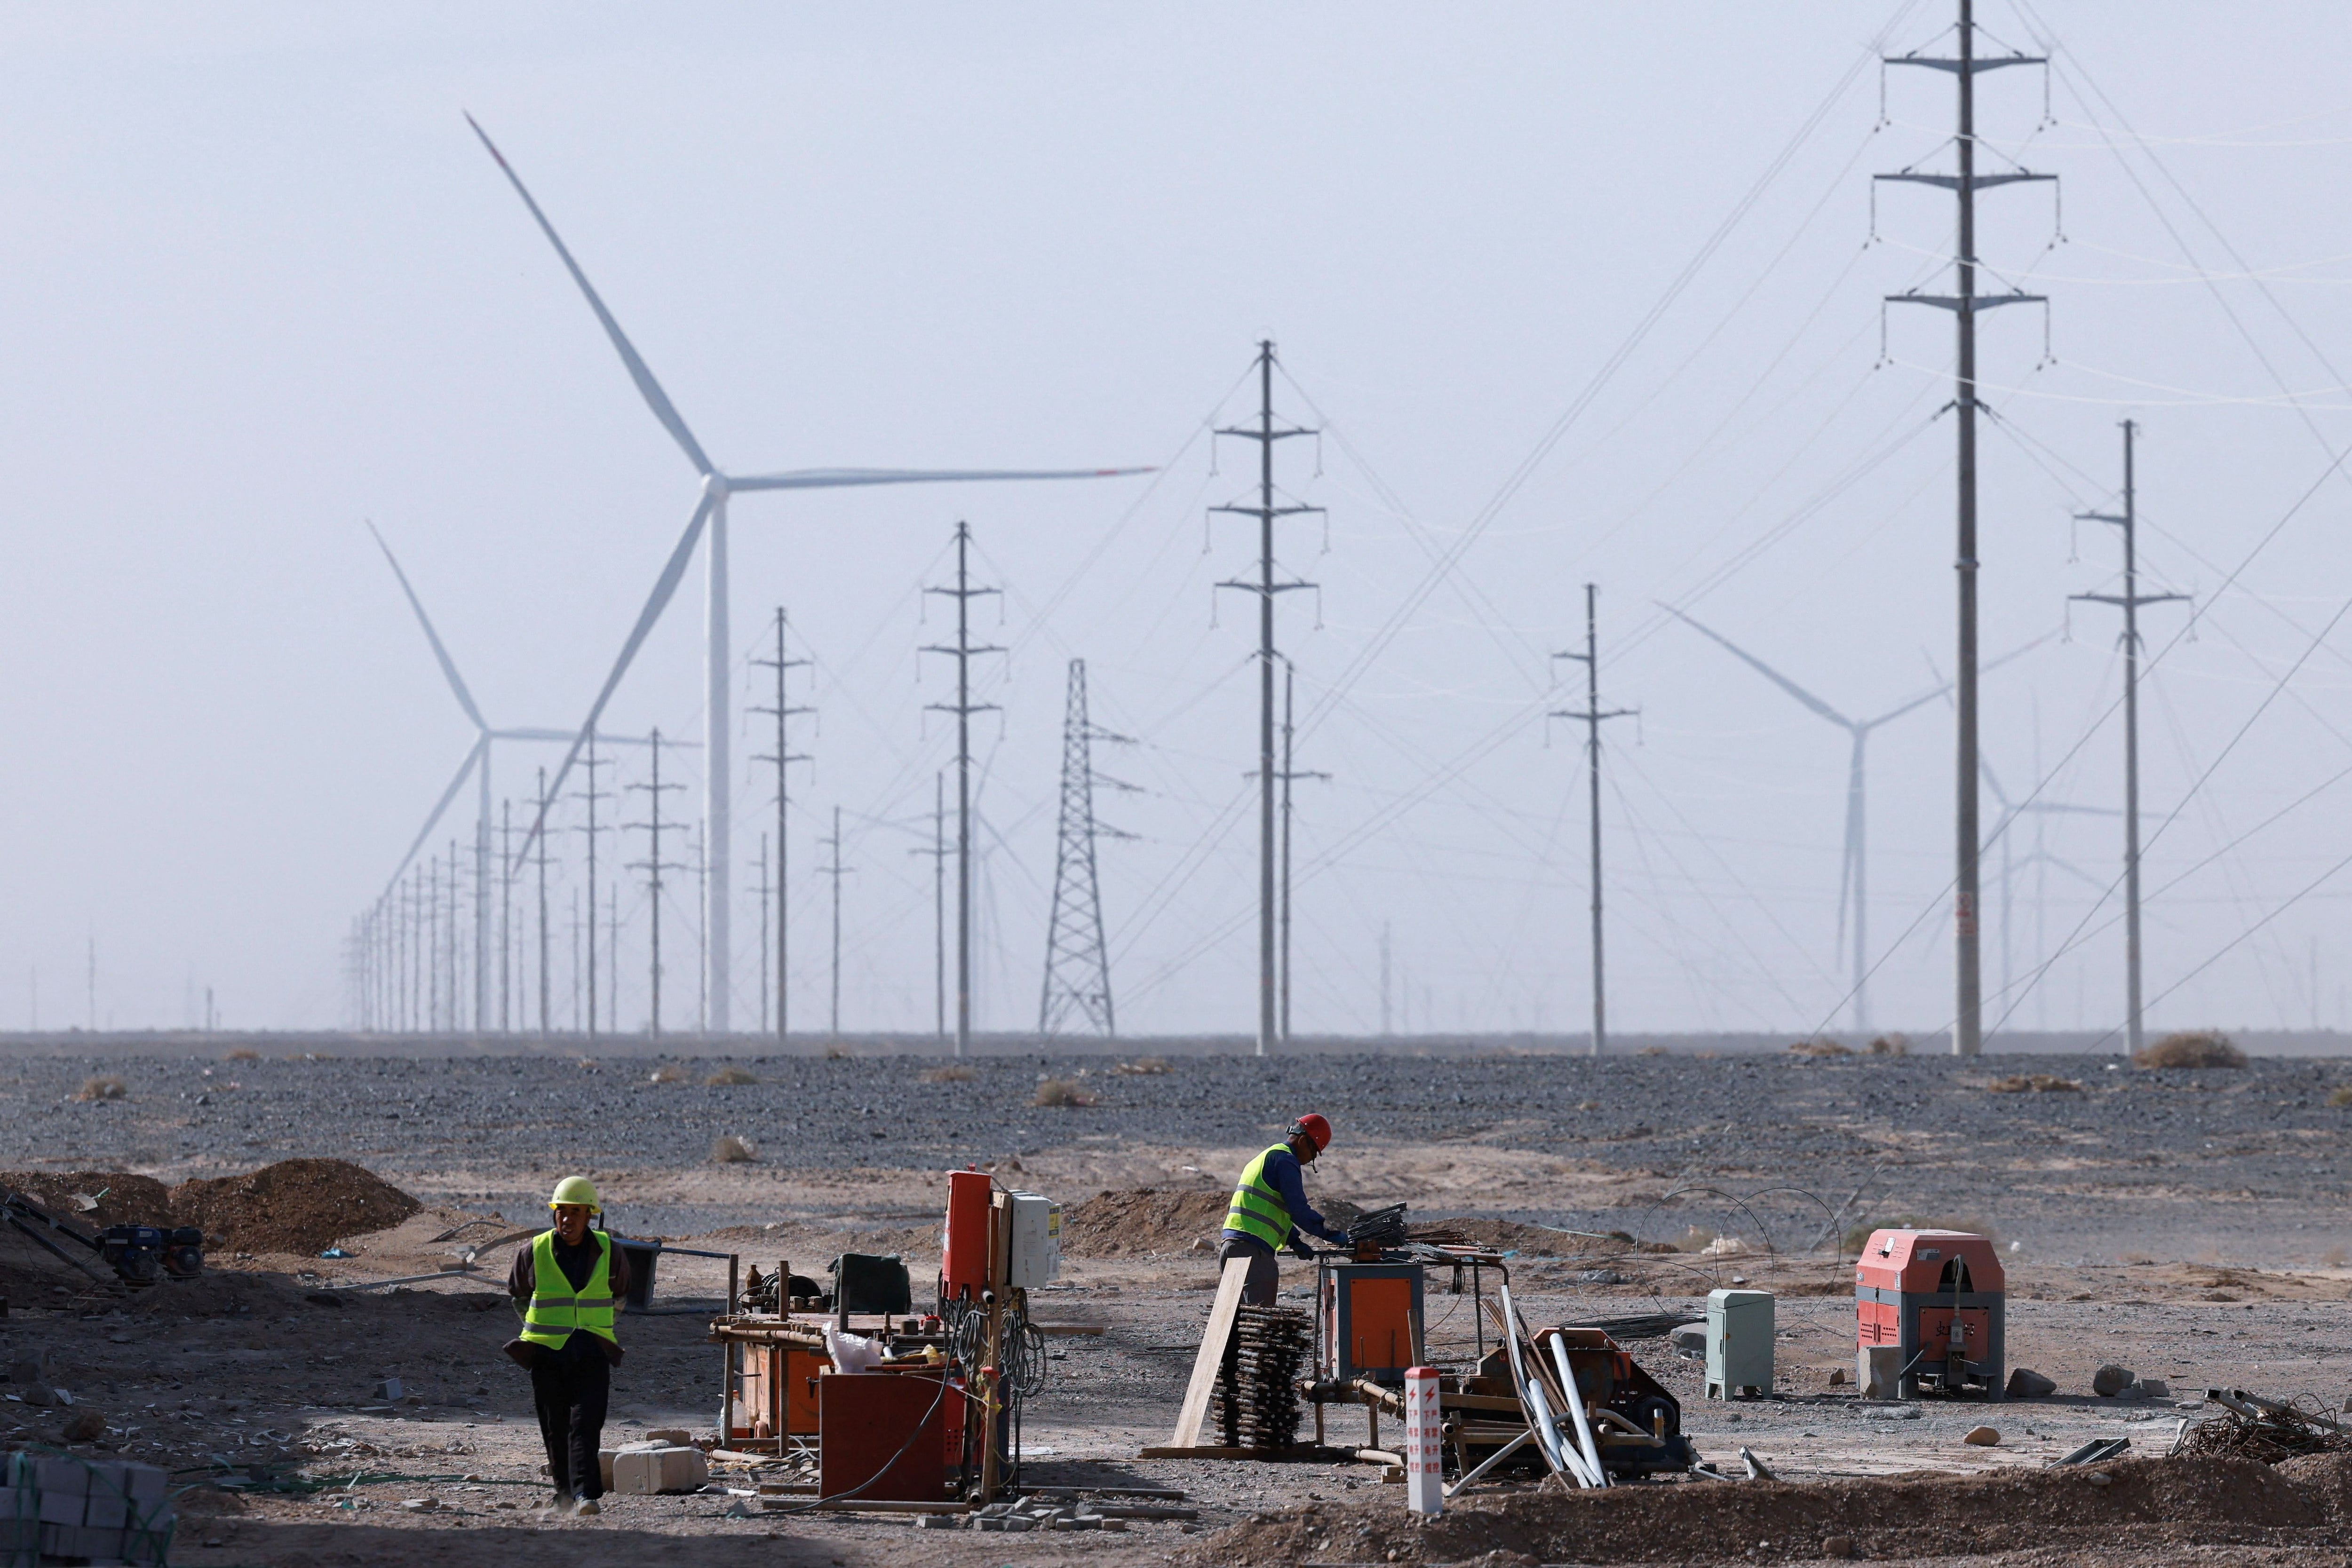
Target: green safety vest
{"x":1257,"y":1209}
{"x":554,"y":1313}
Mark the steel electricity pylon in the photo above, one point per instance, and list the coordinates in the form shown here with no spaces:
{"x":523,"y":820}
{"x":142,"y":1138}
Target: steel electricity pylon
{"x":2126,"y":523}
{"x":1965,"y":303}
{"x":962,"y":651}
{"x":836,"y":871}
{"x":1592,"y":715}
{"x":1288,"y":775}
{"x":1265,"y":585}
{"x":1077,"y":960}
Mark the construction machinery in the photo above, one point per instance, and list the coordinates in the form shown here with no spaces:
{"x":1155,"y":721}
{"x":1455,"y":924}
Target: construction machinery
{"x":1928,"y":1306}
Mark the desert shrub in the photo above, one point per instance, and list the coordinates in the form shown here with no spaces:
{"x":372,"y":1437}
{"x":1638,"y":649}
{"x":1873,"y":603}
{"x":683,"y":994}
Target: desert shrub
{"x":729,"y":1150}
{"x":2035,"y":1083}
{"x":106,"y":1088}
{"x":243,"y":1054}
{"x":1144,"y":1066}
{"x":1061,"y":1091}
{"x":668,"y":1073}
{"x":2340,"y":1097}
{"x":836,"y":1053}
{"x":2192,"y":1048}
{"x":954,"y":1072}
{"x":1891,"y":1045}
{"x":727,"y":1077}
{"x":1819,"y":1048}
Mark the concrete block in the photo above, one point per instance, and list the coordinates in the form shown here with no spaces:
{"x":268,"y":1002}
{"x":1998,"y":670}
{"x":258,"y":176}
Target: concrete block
{"x":2110,"y":1380}
{"x":1877,"y":1371}
{"x":642,"y":1472}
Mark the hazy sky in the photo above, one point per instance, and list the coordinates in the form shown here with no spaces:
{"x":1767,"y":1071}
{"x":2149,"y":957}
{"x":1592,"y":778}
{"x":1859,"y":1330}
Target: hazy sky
{"x":264,"y":286}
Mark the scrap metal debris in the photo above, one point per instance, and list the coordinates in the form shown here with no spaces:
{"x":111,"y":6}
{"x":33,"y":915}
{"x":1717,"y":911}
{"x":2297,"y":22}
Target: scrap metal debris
{"x":2253,"y":1427}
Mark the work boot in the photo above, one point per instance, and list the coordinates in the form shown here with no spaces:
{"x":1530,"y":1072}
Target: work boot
{"x":589,"y":1505}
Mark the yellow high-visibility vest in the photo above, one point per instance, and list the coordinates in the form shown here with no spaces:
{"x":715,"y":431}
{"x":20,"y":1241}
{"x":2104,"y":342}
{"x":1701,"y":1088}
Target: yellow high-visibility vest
{"x":1257,"y":1209}
{"x":555,"y":1310}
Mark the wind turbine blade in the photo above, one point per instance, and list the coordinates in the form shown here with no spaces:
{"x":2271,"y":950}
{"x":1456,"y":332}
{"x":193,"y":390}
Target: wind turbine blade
{"x":666,"y":585}
{"x":464,"y":771}
{"x":648,"y":388}
{"x":448,"y":665}
{"x":556,"y":735}
{"x":843,"y":478}
{"x":2014,"y":653}
{"x":1761,"y":668}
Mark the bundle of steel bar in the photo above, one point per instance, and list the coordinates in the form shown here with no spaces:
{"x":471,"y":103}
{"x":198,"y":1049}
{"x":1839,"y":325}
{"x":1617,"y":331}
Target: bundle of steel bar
{"x":1257,"y":1386}
{"x":1380,"y":1227}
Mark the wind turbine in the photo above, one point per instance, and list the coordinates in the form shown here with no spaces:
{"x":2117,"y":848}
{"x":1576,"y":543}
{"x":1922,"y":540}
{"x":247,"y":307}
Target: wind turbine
{"x":476,"y":764}
{"x":2038,"y":857}
{"x":1854,"y":886}
{"x":710,"y":512}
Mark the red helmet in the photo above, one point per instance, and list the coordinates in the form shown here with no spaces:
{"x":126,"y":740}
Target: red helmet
{"x":1315,"y":1128}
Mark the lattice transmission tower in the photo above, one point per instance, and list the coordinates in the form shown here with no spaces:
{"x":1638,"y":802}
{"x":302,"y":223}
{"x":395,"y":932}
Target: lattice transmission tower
{"x":1077,"y":960}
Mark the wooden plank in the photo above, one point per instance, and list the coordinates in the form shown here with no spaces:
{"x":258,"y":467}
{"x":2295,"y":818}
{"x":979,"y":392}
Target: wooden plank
{"x":1197,"y":1393}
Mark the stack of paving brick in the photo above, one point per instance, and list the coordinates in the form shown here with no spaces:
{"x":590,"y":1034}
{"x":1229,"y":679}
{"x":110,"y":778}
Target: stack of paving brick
{"x":57,"y":1506}
{"x":1257,"y":1393}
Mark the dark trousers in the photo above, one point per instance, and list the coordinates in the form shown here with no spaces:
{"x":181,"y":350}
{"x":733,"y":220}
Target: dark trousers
{"x":571,"y":1392}
{"x":1265,"y":1276}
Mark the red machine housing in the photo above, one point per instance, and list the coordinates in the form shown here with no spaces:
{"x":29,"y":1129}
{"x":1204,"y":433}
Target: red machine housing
{"x":1939,"y":1295}
{"x":964,"y":1239}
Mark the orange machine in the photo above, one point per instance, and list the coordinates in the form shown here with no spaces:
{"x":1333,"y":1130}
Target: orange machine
{"x":1937,"y":1296}
{"x":1369,"y":1320}
{"x":964,"y":1238}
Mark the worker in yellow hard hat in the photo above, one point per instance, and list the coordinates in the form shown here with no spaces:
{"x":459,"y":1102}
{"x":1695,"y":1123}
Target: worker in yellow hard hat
{"x":566,"y":1284}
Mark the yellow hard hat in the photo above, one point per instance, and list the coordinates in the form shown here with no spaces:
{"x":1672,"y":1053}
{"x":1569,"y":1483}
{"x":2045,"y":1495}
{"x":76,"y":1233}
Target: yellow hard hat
{"x":576,"y":1189}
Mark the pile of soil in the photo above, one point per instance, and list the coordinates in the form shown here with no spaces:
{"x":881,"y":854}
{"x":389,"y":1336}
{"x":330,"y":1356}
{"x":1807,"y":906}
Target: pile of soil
{"x":122,"y":1199}
{"x":294,"y":1206}
{"x":2139,"y":1508}
{"x":1532,"y":1240}
{"x":1142,"y":1220}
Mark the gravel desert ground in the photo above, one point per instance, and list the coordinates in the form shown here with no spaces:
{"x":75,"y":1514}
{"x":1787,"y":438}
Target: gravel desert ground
{"x":2185,"y":1224}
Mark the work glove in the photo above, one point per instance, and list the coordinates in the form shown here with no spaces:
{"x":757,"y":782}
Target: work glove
{"x":1299,"y":1248}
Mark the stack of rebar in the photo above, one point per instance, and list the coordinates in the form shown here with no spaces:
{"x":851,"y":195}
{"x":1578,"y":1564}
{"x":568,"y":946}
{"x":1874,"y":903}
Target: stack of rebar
{"x":1257,"y":1393}
{"x":1380,"y":1227}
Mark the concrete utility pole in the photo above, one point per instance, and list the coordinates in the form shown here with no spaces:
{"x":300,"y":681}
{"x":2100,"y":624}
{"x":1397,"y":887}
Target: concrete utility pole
{"x":653,"y":865}
{"x":1289,"y":678}
{"x":1592,"y":714}
{"x":783,"y":758}
{"x":455,"y":1018}
{"x":1385,"y":1031}
{"x":506,"y":916}
{"x":764,"y":889}
{"x":836,"y":871}
{"x":542,"y":858}
{"x":1265,"y":434}
{"x":1965,"y":303}
{"x":2129,"y":601}
{"x":963,"y":707}
{"x":939,"y":858}
{"x":589,"y":764}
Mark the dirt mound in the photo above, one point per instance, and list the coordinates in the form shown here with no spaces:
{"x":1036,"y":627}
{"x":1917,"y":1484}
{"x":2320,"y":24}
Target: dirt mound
{"x":122,"y":1199}
{"x":1509,"y":1236}
{"x":294,"y":1206}
{"x":2144,"y":1505}
{"x":1142,"y":1220}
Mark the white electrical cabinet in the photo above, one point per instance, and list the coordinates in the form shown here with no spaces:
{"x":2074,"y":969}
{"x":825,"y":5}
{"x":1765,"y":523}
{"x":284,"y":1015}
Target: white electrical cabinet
{"x":1739,"y":1343}
{"x":1035,"y":1253}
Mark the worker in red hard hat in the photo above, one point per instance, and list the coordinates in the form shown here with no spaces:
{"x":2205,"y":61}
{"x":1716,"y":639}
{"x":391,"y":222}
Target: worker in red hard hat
{"x":1270,"y":1210}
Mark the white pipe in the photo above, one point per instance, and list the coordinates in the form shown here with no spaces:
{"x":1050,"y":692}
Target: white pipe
{"x":1576,"y":1410}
